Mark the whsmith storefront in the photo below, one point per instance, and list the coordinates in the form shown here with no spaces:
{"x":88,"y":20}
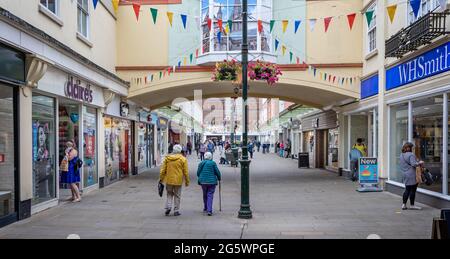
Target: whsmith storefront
{"x":417,"y":95}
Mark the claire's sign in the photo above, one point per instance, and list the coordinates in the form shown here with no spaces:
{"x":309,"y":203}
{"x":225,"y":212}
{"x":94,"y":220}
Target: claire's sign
{"x":431,"y":63}
{"x":74,"y":90}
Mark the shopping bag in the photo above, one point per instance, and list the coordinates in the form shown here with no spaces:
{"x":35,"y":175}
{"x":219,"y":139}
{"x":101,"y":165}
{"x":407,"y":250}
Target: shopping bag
{"x":160,"y":189}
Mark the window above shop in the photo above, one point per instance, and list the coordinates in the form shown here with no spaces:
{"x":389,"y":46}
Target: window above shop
{"x":372,"y":31}
{"x":426,"y":6}
{"x":51,"y":5}
{"x":220,"y":43}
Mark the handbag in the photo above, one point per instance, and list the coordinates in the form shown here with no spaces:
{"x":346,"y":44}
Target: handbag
{"x":160,"y":189}
{"x":419,"y":175}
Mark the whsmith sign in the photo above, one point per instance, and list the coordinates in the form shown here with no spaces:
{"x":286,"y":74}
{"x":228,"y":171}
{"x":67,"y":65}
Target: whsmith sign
{"x":431,"y":63}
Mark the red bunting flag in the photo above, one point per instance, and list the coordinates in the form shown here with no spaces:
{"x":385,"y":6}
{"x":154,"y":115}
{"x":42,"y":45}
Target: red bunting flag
{"x":351,"y":20}
{"x":334,"y":79}
{"x":196,"y":53}
{"x":327,"y":23}
{"x":260,"y":26}
{"x":137,"y":9}
{"x":209,"y":23}
{"x":220,"y":24}
{"x":298,"y":61}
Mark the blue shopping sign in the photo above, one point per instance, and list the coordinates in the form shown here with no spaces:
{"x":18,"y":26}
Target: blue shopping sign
{"x":368,"y":170}
{"x":430,"y":63}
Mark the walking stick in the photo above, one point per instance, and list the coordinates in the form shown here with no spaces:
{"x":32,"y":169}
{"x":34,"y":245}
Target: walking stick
{"x":220,"y":195}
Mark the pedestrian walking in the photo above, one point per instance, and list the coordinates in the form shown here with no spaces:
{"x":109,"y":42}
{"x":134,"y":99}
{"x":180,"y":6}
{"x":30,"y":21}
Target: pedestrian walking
{"x":408,"y":166}
{"x":258,"y":145}
{"x":287,"y":148}
{"x":173,"y":171}
{"x":281,"y":149}
{"x":202,"y":151}
{"x":251,"y":149}
{"x":197,"y":148}
{"x":70,"y":170}
{"x":208,"y":177}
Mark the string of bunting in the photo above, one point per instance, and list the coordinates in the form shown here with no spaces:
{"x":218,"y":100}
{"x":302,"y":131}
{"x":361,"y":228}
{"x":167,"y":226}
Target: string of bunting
{"x":316,"y":72}
{"x":369,"y":15}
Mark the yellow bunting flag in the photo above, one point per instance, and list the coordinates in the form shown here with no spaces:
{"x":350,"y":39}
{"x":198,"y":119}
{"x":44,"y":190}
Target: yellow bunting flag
{"x":115,"y":5}
{"x":170,"y":17}
{"x":227,"y":29}
{"x":391,"y":12}
{"x":285,"y":25}
{"x":185,"y":61}
{"x":284,"y":50}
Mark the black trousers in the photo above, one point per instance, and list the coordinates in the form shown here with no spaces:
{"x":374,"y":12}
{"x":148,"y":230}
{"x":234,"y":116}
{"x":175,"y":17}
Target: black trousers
{"x":410,"y":192}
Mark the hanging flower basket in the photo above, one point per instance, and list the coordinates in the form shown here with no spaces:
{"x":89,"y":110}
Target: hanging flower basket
{"x":264,"y":71}
{"x":227,"y":71}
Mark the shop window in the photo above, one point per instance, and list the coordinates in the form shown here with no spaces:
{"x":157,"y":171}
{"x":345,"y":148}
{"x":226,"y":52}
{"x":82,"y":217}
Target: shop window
{"x":12,"y":64}
{"x":428,"y":136}
{"x":44,"y":149}
{"x":398,"y":130}
{"x":359,"y":130}
{"x":7,"y":178}
{"x":333,"y":148}
{"x":90,"y":175}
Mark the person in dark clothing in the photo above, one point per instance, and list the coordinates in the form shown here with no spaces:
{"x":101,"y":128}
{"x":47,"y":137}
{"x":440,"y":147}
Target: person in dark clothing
{"x":189,"y":148}
{"x":408,"y":165}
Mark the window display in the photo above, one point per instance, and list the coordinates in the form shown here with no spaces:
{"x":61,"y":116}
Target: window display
{"x":90,"y":175}
{"x":428,"y":136}
{"x":398,"y":136}
{"x":333,"y":148}
{"x":7,"y":177}
{"x":44,"y":149}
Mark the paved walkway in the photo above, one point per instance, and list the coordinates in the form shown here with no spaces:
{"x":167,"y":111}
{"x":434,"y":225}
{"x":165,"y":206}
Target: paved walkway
{"x":287,"y":203}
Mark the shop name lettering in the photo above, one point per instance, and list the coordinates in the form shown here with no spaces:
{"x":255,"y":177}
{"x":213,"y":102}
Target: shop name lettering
{"x":75,"y":91}
{"x":425,"y":65}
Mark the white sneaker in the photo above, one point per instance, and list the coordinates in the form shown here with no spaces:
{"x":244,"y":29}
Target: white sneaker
{"x":415,"y":208}
{"x":404,"y":207}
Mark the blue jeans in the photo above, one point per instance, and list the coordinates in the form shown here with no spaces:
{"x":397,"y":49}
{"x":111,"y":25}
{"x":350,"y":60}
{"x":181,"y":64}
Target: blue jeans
{"x":208,"y":196}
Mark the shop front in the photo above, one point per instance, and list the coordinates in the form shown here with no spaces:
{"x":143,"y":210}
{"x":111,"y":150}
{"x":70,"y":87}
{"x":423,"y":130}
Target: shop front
{"x":162,"y":139}
{"x":321,"y":139}
{"x":12,"y":73}
{"x":145,"y":142}
{"x":418,"y":112}
{"x":64,"y":108}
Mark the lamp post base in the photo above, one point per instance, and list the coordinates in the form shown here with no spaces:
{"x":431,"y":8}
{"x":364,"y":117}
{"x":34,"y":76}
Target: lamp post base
{"x":245,"y":212}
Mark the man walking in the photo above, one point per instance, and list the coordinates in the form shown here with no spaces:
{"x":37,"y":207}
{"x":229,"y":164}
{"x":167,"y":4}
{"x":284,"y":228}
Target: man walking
{"x":173,"y":170}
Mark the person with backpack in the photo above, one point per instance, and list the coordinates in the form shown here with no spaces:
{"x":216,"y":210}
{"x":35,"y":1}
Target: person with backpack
{"x":408,"y":164}
{"x":173,"y":171}
{"x":354,"y":156}
{"x":70,"y":170}
{"x":208,"y":177}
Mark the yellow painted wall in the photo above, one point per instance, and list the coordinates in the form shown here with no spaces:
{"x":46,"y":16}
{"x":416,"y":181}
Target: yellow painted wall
{"x":339,"y":44}
{"x":142,"y":43}
{"x":102,"y":28}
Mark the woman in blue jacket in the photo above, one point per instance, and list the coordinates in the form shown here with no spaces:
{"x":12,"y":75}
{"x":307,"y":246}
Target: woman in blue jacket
{"x":208,"y":176}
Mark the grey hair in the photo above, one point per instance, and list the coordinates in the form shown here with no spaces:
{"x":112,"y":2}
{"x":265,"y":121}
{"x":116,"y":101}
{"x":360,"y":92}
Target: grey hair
{"x":208,"y":156}
{"x":177,"y":149}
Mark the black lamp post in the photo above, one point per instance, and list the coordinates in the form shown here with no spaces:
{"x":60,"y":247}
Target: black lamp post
{"x":245,"y":211}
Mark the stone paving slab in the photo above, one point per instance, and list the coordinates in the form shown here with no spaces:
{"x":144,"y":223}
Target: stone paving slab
{"x":287,"y":203}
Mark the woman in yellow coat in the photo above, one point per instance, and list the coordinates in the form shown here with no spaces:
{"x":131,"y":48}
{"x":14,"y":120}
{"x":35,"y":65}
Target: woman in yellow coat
{"x":173,"y":170}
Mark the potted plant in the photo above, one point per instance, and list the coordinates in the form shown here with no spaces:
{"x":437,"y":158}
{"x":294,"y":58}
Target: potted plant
{"x":261,"y":70}
{"x":228,"y":70}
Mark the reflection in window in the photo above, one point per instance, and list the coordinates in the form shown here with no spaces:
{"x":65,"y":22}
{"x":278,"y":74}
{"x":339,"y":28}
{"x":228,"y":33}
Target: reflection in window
{"x":226,"y":10}
{"x":428,"y":136}
{"x":398,"y":136}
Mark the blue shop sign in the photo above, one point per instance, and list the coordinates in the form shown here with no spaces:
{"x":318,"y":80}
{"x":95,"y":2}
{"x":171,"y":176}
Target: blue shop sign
{"x":431,"y":63}
{"x":369,"y":87}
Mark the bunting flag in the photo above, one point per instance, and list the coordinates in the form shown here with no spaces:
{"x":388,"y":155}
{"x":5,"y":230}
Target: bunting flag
{"x":291,"y":56}
{"x":154,"y":14}
{"x":351,"y":20}
{"x":391,"y":12}
{"x":260,"y":26}
{"x":272,"y":24}
{"x":312,"y":24}
{"x":415,"y":5}
{"x":220,"y":24}
{"x":191,"y":58}
{"x":185,"y":61}
{"x":227,"y":29}
{"x":298,"y":61}
{"x":179,"y":63}
{"x":137,"y":9}
{"x":170,"y":17}
{"x":184,"y":20}
{"x":219,"y":36}
{"x":297,"y":25}
{"x":285,"y":25}
{"x":151,"y":78}
{"x":196,"y":53}
{"x":327,"y":22}
{"x":95,"y":2}
{"x":160,"y":74}
{"x":277,"y":43}
{"x":369,"y":17}
{"x":283,"y":49}
{"x":115,"y":5}
{"x":209,"y":23}
{"x":230,"y":25}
